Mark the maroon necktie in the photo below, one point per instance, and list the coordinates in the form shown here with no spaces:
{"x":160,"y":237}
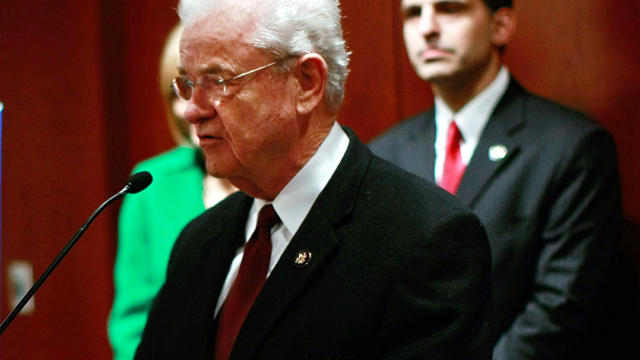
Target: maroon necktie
{"x":245,"y":289}
{"x":453,"y":165}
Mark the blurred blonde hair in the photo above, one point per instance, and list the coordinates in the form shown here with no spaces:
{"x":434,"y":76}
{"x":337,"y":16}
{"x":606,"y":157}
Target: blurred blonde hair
{"x":168,"y":71}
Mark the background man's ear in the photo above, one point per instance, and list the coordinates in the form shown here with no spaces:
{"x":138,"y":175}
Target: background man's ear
{"x":311,"y":72}
{"x":503,"y":26}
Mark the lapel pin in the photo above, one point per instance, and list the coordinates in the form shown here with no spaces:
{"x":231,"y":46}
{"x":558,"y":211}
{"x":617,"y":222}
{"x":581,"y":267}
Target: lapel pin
{"x":302,"y":258}
{"x":497,"y":152}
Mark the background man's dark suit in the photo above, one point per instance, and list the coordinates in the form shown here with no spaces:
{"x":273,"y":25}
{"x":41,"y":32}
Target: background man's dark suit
{"x":552,"y":212}
{"x":398,"y":270}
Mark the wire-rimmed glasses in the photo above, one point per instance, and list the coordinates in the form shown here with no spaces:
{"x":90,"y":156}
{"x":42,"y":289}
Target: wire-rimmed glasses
{"x":212,"y":83}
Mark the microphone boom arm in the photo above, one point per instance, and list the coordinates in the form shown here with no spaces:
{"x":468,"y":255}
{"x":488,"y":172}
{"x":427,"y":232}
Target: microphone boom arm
{"x":133,"y":186}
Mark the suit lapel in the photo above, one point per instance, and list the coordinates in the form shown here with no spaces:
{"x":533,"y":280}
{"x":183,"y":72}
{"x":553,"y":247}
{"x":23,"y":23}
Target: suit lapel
{"x":222,"y":239}
{"x":316,"y":236}
{"x":284,"y":285}
{"x":497,"y":145}
{"x":419,"y":147}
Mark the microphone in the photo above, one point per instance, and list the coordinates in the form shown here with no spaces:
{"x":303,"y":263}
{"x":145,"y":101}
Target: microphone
{"x":136,"y":183}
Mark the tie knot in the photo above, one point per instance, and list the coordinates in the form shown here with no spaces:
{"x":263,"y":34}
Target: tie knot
{"x":454,"y":166}
{"x":453,"y":135}
{"x":267,"y":217}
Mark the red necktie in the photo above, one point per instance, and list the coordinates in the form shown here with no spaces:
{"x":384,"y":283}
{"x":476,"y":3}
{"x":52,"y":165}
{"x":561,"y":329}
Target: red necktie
{"x":245,"y":289}
{"x":453,"y":165}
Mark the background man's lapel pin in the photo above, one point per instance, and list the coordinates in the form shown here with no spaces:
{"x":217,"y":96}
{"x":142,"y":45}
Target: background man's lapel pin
{"x":497,"y":152}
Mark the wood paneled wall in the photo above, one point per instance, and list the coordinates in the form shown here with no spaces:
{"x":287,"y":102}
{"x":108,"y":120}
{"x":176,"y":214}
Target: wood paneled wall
{"x":54,"y":174}
{"x":79,"y":86}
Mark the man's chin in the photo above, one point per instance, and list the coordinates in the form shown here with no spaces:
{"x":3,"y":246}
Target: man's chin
{"x":435,"y":73}
{"x":217,"y":171}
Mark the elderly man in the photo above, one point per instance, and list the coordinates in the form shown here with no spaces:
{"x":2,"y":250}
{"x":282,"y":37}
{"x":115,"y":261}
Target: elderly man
{"x":328,"y":251}
{"x":542,"y":178}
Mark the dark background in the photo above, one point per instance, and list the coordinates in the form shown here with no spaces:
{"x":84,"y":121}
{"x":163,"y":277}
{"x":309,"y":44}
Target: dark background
{"x":78,"y":80}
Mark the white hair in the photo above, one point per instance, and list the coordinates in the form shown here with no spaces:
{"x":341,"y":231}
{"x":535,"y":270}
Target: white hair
{"x":288,"y":28}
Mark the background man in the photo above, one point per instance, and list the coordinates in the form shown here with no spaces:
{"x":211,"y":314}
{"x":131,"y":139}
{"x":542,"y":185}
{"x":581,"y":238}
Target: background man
{"x":361,"y":260}
{"x":542,"y":178}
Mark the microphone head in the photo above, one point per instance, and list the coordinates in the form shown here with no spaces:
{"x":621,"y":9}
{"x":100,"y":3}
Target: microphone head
{"x":138,"y":182}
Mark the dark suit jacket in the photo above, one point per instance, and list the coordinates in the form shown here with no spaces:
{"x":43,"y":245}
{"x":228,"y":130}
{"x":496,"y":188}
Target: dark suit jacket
{"x":552,"y":211}
{"x":399,"y":270}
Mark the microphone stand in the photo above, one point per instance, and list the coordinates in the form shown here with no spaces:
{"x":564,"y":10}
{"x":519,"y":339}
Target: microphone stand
{"x":56,"y":261}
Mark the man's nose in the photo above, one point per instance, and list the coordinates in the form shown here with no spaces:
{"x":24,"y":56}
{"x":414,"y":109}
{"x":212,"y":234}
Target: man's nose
{"x":200,"y":106}
{"x":428,"y":24}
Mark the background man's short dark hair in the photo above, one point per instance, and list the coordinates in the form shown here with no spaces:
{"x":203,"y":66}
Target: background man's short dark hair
{"x":497,"y":4}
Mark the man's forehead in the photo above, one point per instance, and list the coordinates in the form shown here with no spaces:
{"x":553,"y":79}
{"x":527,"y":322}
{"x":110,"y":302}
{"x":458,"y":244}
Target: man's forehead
{"x":201,"y":58}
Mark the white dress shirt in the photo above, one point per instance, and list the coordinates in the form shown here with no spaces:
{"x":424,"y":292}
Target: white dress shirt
{"x":471,"y":120}
{"x":293,"y":203}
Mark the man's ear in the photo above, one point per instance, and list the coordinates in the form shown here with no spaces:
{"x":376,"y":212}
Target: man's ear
{"x":311,"y":74}
{"x":503,"y":26}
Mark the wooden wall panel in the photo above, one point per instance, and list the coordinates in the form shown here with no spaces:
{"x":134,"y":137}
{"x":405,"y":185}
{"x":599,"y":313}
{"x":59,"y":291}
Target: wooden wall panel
{"x":371,"y":83}
{"x":83,"y":107}
{"x":54,"y":175}
{"x":147,"y":25}
{"x":381,"y":87}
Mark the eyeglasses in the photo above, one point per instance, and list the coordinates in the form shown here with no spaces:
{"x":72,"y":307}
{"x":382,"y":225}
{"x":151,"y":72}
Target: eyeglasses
{"x":214,"y":84}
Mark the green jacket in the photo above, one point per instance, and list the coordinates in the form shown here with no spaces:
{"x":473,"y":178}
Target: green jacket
{"x":149,"y":223}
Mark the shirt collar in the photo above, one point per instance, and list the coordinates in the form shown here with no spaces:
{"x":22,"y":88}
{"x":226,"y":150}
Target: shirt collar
{"x":473,"y":116}
{"x":293,"y":203}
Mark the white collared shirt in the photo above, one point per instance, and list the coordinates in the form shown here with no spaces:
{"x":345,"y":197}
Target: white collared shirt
{"x":293,"y":203}
{"x":471,"y":120}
